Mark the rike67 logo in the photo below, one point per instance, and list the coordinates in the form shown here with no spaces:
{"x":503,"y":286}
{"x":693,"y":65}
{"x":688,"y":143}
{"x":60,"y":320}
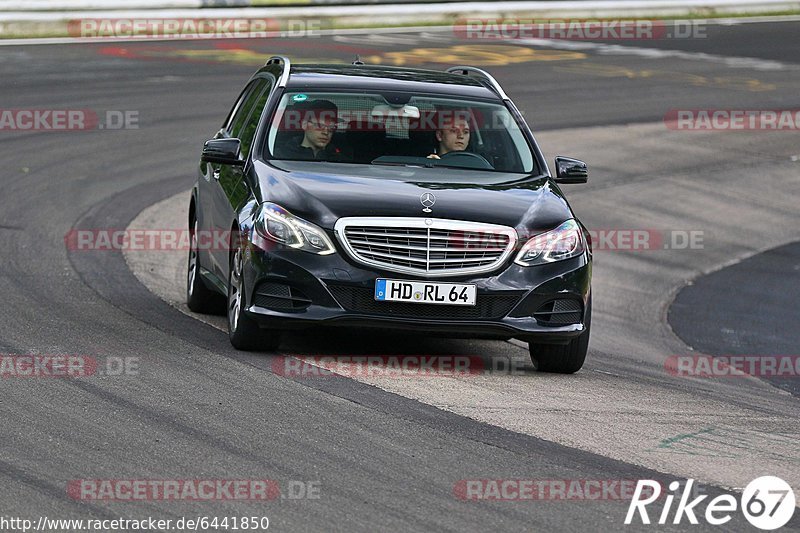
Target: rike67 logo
{"x":767,"y":502}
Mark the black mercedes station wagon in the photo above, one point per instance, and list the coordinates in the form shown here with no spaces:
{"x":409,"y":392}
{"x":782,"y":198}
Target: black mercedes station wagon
{"x":383,"y":197}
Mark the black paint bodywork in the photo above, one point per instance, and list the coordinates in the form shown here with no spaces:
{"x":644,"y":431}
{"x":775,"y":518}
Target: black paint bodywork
{"x":227,"y":196}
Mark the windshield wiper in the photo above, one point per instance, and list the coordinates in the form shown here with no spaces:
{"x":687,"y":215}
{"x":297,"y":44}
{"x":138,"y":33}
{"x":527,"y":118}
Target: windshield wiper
{"x":394,"y":164}
{"x":459,"y":167}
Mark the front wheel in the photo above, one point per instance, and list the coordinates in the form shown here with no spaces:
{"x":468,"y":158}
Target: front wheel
{"x":563,"y":358}
{"x":243,"y":331}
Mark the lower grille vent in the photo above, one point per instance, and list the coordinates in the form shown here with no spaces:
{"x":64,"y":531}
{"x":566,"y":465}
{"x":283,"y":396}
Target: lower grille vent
{"x":280,"y":297}
{"x":559,"y":312}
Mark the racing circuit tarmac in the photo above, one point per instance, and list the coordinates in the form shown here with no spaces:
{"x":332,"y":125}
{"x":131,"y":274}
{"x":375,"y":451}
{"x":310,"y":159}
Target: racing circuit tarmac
{"x":389,"y":453}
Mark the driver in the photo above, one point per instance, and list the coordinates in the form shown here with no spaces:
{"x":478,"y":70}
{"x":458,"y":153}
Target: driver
{"x":453,"y":134}
{"x":319,"y":123}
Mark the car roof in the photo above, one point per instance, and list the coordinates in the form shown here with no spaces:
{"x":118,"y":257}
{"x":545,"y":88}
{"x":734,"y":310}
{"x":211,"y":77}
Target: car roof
{"x":386,"y":78}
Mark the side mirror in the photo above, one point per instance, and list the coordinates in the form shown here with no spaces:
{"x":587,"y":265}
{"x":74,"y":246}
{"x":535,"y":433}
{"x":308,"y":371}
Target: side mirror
{"x":570,"y":170}
{"x":224,"y":151}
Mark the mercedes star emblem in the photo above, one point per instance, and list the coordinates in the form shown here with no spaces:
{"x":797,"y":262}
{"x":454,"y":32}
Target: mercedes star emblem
{"x":427,"y":200}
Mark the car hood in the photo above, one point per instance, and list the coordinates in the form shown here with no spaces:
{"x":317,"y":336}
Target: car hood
{"x":526,"y":203}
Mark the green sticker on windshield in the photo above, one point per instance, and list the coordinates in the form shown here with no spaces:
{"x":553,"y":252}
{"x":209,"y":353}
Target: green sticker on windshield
{"x":300,"y":98}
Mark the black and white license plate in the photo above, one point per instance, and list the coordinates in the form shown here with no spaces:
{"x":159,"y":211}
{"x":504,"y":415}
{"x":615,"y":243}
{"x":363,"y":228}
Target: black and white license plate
{"x":424,"y":292}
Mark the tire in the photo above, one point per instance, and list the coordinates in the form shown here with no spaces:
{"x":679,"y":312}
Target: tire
{"x":199,"y":298}
{"x":243,"y":331}
{"x":563,"y":358}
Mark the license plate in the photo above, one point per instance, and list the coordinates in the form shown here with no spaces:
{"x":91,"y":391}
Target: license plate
{"x":423,"y":292}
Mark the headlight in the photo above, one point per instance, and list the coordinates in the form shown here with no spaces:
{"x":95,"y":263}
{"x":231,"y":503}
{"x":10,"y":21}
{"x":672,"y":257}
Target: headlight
{"x":564,"y":242}
{"x":276,"y":224}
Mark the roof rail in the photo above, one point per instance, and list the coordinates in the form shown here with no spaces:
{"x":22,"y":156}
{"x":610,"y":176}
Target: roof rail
{"x":287,"y":65}
{"x":466,"y":70}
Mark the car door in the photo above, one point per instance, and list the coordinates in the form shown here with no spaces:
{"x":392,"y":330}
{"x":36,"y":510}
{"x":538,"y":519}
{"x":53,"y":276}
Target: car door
{"x":207,"y":190}
{"x":229,"y":191}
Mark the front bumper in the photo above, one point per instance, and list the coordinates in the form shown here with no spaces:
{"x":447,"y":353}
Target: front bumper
{"x":289,"y":290}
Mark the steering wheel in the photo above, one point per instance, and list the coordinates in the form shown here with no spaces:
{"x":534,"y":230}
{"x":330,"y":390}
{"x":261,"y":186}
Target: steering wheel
{"x":468,"y":157}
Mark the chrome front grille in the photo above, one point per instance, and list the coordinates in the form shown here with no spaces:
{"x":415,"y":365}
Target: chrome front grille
{"x":429,"y":247}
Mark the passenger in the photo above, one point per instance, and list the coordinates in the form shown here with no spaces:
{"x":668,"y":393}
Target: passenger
{"x":453,"y":134}
{"x":319,"y":121}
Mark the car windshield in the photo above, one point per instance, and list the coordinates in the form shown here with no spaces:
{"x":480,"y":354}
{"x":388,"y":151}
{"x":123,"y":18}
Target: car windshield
{"x":398,"y":129}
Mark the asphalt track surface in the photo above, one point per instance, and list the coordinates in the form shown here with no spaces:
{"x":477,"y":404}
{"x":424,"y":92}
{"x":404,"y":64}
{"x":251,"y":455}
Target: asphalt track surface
{"x":389,"y":454}
{"x":719,"y":321}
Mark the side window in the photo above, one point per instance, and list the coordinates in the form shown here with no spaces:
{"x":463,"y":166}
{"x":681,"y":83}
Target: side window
{"x":237,"y":107}
{"x":239,"y":118}
{"x":251,"y":125}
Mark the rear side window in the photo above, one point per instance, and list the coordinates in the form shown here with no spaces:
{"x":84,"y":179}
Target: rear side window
{"x":240,"y":116}
{"x":250,"y":125}
{"x":238,"y":108}
{"x":244,"y":117}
